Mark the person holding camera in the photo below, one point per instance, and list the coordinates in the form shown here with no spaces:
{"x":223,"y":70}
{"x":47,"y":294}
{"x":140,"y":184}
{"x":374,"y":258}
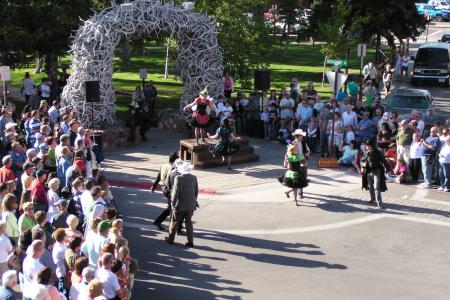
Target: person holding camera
{"x":373,"y":166}
{"x":428,"y":149}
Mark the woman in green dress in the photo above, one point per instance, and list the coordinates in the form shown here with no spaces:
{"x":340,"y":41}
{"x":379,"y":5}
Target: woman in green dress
{"x":295,"y":176}
{"x":227,"y":145}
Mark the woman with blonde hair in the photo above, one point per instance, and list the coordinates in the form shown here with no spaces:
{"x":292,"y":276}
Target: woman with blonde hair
{"x":5,"y":248}
{"x":295,"y":176}
{"x":116,"y":231}
{"x":53,"y":198}
{"x":9,"y":205}
{"x":24,"y":198}
{"x":71,"y":231}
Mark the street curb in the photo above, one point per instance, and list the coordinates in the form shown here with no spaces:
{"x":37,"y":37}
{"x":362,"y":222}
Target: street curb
{"x":148,"y":186}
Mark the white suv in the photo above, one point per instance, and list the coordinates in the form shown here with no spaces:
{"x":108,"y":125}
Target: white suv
{"x":440,"y":4}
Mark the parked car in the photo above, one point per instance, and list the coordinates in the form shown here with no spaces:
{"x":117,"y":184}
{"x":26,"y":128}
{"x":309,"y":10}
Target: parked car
{"x":433,"y":13}
{"x":405,"y":100}
{"x":440,"y":4}
{"x":432,"y":63}
{"x":445,"y":38}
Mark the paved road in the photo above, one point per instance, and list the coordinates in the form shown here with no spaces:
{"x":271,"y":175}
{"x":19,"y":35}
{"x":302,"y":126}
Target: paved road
{"x":254,"y":243}
{"x":440,"y":94}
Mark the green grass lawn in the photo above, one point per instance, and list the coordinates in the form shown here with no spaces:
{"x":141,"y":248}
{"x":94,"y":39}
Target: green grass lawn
{"x":303,"y":61}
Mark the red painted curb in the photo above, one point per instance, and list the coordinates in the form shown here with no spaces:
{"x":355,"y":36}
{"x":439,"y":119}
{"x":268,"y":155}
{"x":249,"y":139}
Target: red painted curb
{"x":148,"y":186}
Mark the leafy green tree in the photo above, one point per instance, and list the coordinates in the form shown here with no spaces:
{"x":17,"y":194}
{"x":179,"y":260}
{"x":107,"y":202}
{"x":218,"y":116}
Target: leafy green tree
{"x":361,"y":20}
{"x":243,"y":36}
{"x":38,"y":28}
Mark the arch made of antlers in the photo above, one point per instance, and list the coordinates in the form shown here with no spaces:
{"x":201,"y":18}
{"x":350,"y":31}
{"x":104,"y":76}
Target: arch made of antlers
{"x":199,"y":61}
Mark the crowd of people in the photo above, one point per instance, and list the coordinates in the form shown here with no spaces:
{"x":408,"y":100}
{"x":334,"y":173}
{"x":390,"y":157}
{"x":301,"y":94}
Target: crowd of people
{"x":415,"y":146}
{"x":60,"y":229}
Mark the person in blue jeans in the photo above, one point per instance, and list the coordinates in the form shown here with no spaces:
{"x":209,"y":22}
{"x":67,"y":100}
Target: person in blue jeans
{"x":444,"y":161}
{"x":428,"y":149}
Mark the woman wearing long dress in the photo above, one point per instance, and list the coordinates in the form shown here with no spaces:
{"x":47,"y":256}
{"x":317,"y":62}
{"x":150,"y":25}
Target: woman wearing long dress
{"x":295,"y":176}
{"x":227,"y":145}
{"x":200,"y":117}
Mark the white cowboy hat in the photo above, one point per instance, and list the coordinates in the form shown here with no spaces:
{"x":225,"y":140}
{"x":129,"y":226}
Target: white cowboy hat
{"x":298,"y":132}
{"x":10,"y":125}
{"x":185,"y":168}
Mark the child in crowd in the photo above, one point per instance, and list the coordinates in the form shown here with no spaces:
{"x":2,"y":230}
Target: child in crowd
{"x":265,"y":117}
{"x":400,"y":172}
{"x":312,"y":134}
{"x":349,"y":135}
{"x":116,"y":231}
{"x":391,"y":155}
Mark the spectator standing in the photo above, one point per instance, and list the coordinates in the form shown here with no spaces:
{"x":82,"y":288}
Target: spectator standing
{"x":31,"y":268}
{"x":9,"y":207}
{"x":53,"y":112}
{"x":428,"y":148}
{"x":414,"y":160}
{"x":6,"y":172}
{"x":444,"y":169}
{"x":286,"y":110}
{"x":228,"y":85}
{"x":28,"y":87}
{"x":9,"y":282}
{"x":111,"y":287}
{"x":26,"y":220}
{"x":404,"y":140}
{"x":35,"y":99}
{"x":5,"y":249}
{"x":38,"y":194}
{"x":59,"y":250}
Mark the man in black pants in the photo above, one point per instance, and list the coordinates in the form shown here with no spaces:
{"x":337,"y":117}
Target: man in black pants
{"x":166,"y":176}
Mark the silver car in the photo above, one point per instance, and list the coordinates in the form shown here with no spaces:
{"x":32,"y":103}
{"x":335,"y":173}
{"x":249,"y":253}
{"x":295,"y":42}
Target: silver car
{"x":405,"y":100}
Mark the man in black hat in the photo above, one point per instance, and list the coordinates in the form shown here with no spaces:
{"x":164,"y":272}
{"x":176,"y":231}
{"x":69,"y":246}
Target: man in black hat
{"x":373,"y":167}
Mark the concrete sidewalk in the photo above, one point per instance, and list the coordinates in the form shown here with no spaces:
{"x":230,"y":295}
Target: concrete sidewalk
{"x":140,"y":165}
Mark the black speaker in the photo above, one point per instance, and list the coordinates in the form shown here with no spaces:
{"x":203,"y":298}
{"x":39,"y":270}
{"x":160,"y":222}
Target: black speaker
{"x":262,"y":80}
{"x":92,"y":91}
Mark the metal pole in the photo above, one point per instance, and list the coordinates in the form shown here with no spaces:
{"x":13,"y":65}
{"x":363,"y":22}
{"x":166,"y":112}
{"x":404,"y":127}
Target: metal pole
{"x":361,"y":78}
{"x":4,"y":92}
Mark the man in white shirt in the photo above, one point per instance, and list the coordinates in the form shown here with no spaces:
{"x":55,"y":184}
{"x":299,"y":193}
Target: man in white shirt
{"x":99,"y":208}
{"x":59,"y":249}
{"x":349,"y":117}
{"x":286,"y":110}
{"x":420,"y":123}
{"x":31,"y":267}
{"x":53,"y":112}
{"x":92,"y":247}
{"x":81,"y":289}
{"x":111,"y":287}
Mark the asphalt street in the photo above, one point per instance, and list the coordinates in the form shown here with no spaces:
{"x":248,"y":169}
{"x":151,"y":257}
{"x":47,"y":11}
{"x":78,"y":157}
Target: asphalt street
{"x":439,"y":93}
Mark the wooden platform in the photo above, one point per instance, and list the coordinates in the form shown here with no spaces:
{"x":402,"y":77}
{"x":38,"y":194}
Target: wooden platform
{"x":200,"y":156}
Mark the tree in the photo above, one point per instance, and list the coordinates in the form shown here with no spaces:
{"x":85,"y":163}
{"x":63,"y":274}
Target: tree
{"x":36,"y":28}
{"x":242,"y":34}
{"x":361,"y":20}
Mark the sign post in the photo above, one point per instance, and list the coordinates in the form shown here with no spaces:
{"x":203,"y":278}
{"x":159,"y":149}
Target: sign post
{"x":362,"y":50}
{"x":143,"y":76}
{"x":5,"y":74}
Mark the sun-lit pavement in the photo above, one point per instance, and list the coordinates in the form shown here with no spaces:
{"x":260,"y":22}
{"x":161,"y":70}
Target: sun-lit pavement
{"x":254,"y":243}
